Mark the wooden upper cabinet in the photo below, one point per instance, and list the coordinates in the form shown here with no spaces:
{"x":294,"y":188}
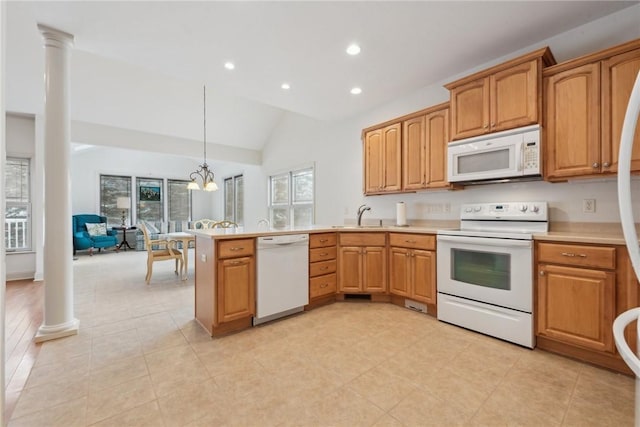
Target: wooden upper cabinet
{"x":437,"y":134}
{"x":618,"y":76}
{"x":373,"y":180}
{"x":392,"y":161}
{"x":470,"y":109}
{"x":585,"y":103}
{"x":572,"y":112}
{"x":424,"y":149}
{"x":414,"y":153}
{"x":503,"y":97}
{"x":382,"y":160}
{"x":514,"y":96}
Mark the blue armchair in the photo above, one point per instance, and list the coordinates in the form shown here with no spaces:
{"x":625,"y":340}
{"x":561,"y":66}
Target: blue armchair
{"x":81,"y":238}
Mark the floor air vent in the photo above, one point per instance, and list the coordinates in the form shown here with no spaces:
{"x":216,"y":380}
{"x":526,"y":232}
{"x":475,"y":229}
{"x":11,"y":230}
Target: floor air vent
{"x":416,"y":306}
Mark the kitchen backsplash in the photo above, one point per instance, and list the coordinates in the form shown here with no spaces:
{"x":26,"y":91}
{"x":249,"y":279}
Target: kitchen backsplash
{"x":565,"y":200}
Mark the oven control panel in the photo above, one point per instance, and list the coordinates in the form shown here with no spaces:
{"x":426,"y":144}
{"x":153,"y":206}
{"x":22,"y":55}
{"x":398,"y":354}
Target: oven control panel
{"x":506,"y":211}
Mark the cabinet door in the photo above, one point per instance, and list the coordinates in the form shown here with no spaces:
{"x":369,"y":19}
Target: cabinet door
{"x":373,"y":152}
{"x":437,"y":139}
{"x":350,"y":269}
{"x":572,"y":117}
{"x":374,"y":267}
{"x":514,"y":97}
{"x":618,"y":76}
{"x":576,"y":306}
{"x":424,"y":276}
{"x":236,"y":288}
{"x":414,"y":153}
{"x":399,"y":277}
{"x":470,"y":109}
{"x":392,"y":158}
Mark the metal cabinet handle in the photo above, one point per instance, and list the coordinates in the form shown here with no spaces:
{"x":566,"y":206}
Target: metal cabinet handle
{"x":410,"y":241}
{"x":236,"y":249}
{"x":493,"y":125}
{"x":486,"y":126}
{"x":324,"y":254}
{"x":236,"y":262}
{"x":324,"y":240}
{"x":542,"y":272}
{"x":324,"y":268}
{"x":606,"y":165}
{"x":570,"y":254}
{"x":596,"y":165}
{"x":324,"y":285}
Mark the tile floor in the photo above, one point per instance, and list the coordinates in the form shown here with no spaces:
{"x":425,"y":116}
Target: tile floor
{"x":140,"y":359}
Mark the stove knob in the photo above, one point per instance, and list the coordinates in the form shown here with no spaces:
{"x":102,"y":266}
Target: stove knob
{"x":477,"y":208}
{"x":534,"y":209}
{"x":468,"y":210}
{"x":523,"y":208}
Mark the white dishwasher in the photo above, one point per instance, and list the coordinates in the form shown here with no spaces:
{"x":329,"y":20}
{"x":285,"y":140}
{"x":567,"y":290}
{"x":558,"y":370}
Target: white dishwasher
{"x":283,"y":276}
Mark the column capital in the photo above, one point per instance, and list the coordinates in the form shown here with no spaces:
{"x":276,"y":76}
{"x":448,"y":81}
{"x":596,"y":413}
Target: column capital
{"x":55,"y":38}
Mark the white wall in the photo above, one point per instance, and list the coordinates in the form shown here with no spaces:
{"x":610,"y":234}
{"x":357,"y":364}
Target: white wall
{"x":87,"y":166}
{"x":337,"y":151}
{"x":255,"y":188}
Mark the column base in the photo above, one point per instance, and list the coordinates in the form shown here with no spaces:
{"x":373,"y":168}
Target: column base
{"x":47,"y":333}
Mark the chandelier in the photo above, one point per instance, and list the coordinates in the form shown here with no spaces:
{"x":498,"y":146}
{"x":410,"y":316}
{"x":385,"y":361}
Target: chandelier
{"x":206,"y":175}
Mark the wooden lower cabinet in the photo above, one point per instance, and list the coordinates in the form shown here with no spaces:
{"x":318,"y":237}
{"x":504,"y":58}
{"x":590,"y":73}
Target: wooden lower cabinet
{"x":322,"y":268}
{"x":580,"y":289}
{"x":225,"y":284}
{"x":236,"y":288}
{"x":362,"y":263}
{"x":576,"y":305}
{"x":412,"y":268}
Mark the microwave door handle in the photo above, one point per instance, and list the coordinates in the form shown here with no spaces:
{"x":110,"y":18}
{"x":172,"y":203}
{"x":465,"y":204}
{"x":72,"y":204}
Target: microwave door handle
{"x":520,"y":158}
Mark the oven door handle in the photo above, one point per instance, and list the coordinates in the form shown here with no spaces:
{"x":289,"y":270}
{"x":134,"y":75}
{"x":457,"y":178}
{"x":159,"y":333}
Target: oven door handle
{"x":503,"y":243}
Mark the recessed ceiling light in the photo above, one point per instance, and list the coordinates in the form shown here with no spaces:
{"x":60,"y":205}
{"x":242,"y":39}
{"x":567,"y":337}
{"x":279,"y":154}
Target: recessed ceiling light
{"x":285,"y":86}
{"x":356,"y":91}
{"x":229,"y":65}
{"x":353,"y":49}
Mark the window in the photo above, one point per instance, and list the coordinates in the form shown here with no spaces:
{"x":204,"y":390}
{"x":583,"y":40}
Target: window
{"x":150,"y":202}
{"x":291,"y":196}
{"x":179,"y":199}
{"x":112,"y":187}
{"x":17,"y":224}
{"x":234,"y":199}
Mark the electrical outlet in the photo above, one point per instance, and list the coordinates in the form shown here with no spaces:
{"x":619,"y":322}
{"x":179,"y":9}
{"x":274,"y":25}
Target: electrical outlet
{"x":589,"y":205}
{"x":446,"y":208}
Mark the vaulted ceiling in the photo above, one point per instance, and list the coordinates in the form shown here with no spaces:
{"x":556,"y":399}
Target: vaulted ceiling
{"x":141,"y":65}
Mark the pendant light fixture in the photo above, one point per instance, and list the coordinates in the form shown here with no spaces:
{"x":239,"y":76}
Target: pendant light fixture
{"x":206,"y":175}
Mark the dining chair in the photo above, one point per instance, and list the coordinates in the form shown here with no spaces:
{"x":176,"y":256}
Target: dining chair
{"x":203,"y":224}
{"x":165,"y":250}
{"x":225,"y":224}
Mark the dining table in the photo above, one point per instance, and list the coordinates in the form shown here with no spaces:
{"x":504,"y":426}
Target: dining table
{"x":185,"y":238}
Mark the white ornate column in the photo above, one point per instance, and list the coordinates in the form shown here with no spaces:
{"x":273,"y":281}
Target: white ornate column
{"x":59,"y":320}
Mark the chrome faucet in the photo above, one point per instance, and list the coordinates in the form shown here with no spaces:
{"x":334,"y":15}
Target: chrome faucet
{"x":361,"y":211}
{"x":264,"y":221}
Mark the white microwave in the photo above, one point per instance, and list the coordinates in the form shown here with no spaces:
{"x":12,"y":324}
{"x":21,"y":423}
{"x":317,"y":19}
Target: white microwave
{"x":509,"y":154}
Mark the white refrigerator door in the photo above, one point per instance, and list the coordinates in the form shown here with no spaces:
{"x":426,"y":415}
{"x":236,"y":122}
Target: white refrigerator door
{"x":629,"y":230}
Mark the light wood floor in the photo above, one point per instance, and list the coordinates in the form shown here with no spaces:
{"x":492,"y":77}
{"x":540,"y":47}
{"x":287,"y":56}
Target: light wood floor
{"x":24,"y":300}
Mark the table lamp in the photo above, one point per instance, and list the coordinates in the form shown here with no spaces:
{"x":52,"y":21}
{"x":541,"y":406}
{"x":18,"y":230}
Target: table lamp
{"x":123,"y":203}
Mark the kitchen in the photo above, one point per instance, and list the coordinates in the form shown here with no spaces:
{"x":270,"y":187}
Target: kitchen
{"x":565,"y":200}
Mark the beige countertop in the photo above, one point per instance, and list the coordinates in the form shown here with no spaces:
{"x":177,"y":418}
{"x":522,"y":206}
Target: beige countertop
{"x":588,"y":232}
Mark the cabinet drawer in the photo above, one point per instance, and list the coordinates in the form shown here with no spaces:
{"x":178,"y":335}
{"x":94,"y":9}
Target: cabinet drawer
{"x":586,"y":256}
{"x":363,"y":239}
{"x":322,"y":254}
{"x":322,"y":285}
{"x":235,"y":248}
{"x":321,"y":240}
{"x":322,"y":267}
{"x":414,"y":241}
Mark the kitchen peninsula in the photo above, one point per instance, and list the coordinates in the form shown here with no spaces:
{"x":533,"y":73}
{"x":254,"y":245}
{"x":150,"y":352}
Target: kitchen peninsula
{"x":226,"y":260}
